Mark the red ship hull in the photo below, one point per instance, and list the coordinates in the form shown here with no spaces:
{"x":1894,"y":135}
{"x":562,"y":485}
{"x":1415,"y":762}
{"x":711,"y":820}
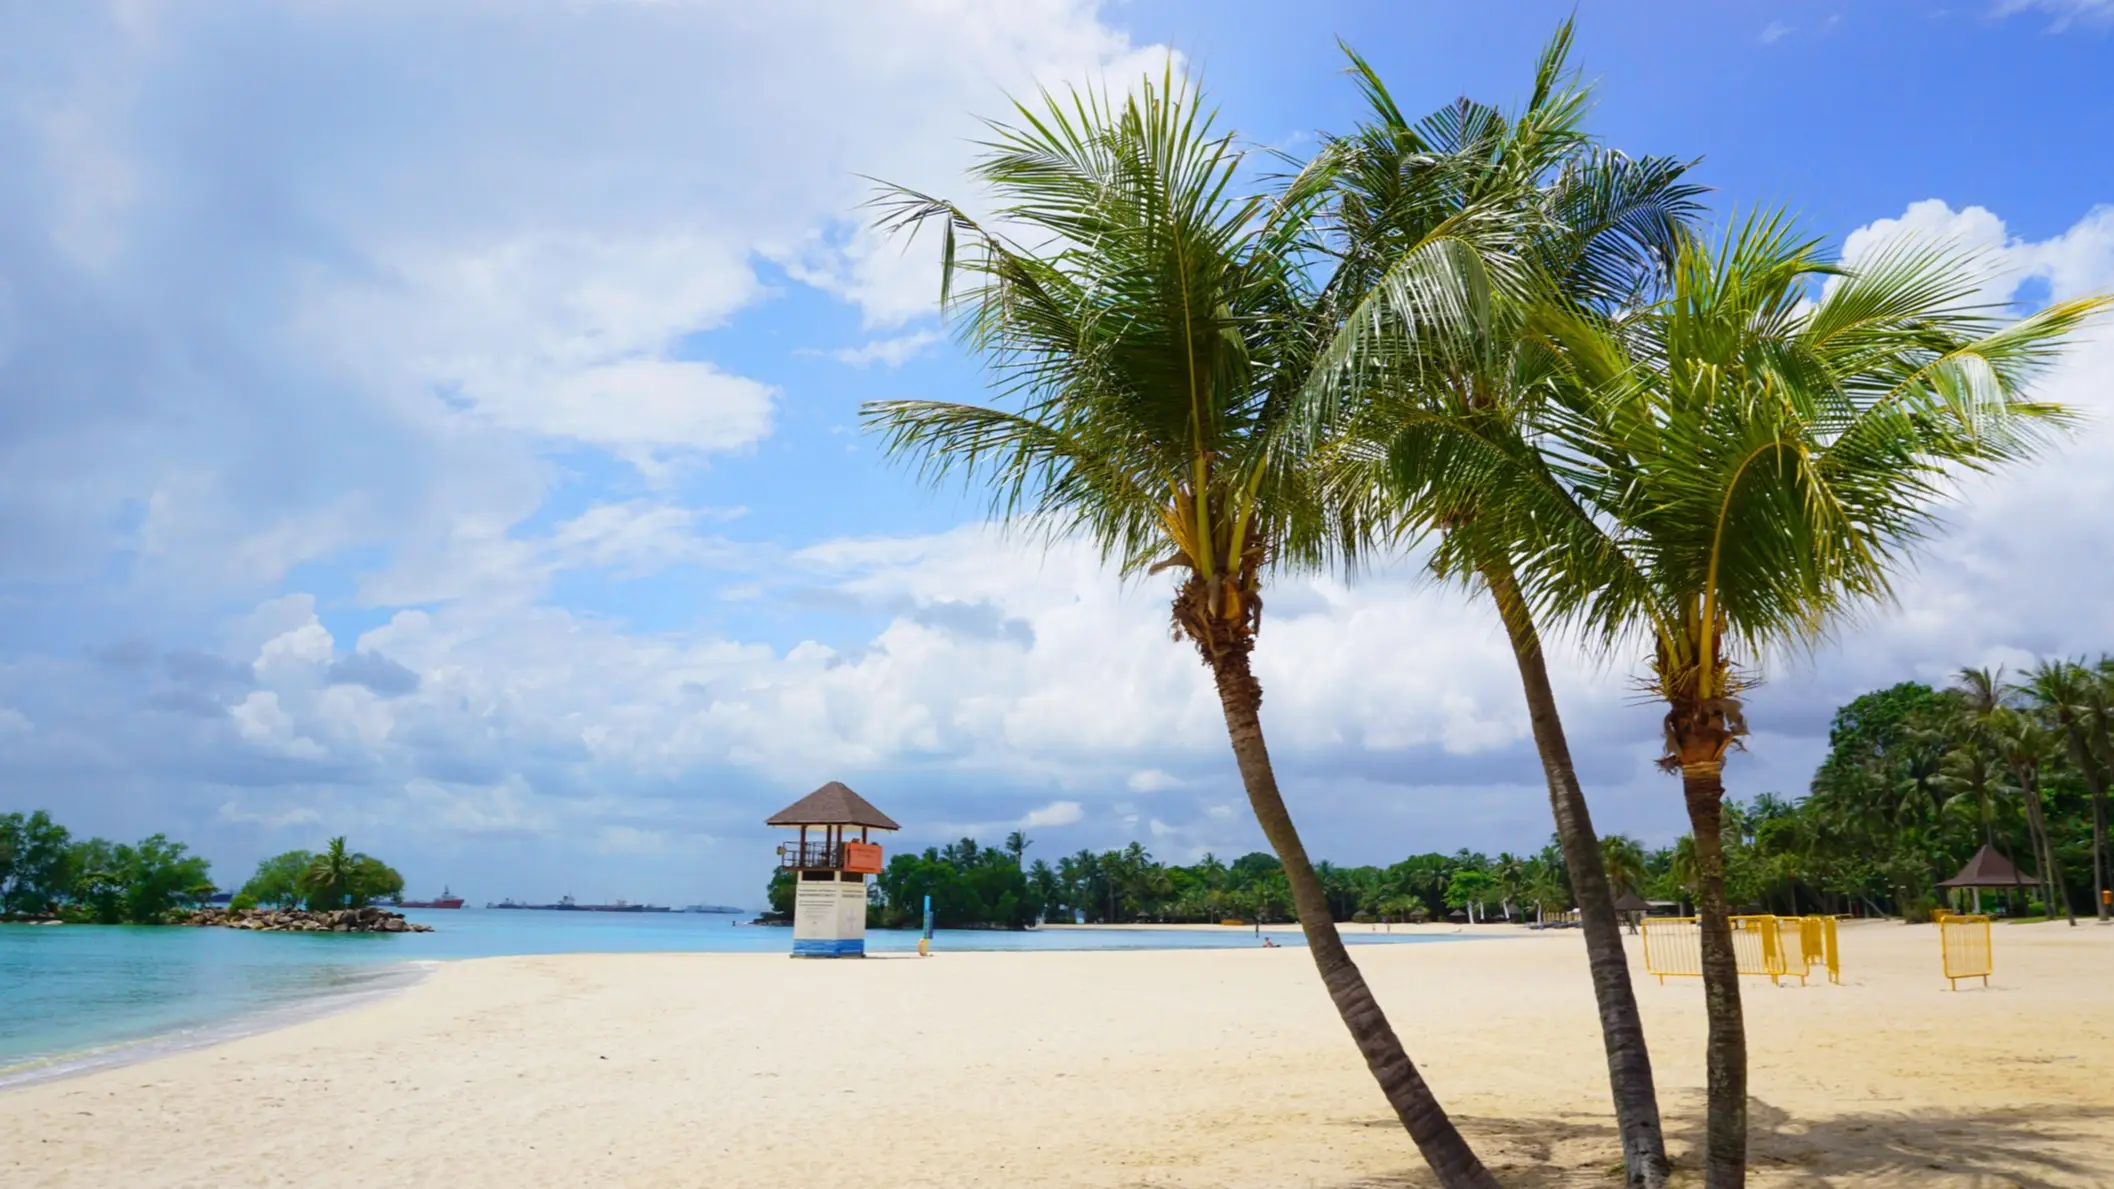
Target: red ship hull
{"x":451,"y":902}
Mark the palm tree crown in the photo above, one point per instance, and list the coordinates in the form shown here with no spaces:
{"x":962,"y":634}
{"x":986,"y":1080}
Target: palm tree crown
{"x":1766,"y":459}
{"x":1147,"y":324}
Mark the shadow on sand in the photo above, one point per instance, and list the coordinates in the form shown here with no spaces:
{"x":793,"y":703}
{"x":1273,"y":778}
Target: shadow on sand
{"x":2047,"y":1147}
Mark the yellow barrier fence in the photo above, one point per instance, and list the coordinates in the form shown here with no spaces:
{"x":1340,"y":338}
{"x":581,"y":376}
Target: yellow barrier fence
{"x":1767,"y":945}
{"x":1816,"y":939}
{"x":1964,"y":943}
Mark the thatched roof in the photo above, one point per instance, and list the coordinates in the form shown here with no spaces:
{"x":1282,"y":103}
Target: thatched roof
{"x":1988,"y":869}
{"x":1632,"y":902}
{"x":832,"y":805}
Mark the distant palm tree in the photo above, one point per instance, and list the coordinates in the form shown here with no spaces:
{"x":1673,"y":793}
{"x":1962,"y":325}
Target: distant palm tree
{"x":1970,"y":774}
{"x":1763,"y":459}
{"x":2100,"y":700}
{"x":1150,"y":331}
{"x":2027,"y":747}
{"x":1993,"y":726}
{"x":2069,"y":694}
{"x":332,"y":877}
{"x":1622,"y":857}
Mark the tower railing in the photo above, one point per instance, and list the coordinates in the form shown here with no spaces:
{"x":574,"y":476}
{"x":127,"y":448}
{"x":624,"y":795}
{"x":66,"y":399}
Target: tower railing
{"x":811,"y":856}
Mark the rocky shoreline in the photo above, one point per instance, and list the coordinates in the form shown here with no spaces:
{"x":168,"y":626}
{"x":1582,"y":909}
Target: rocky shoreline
{"x":301,"y":920}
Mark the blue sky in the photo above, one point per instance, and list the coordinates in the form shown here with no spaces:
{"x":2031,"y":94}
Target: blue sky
{"x":437,"y":424}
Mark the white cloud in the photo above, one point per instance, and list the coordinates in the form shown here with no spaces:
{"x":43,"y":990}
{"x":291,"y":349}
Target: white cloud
{"x":1974,"y":232}
{"x":2080,"y":261}
{"x":1151,"y":780}
{"x":2066,"y":13}
{"x":509,"y":806}
{"x":1056,"y":813}
{"x":888,"y":352}
{"x":486,"y":561}
{"x":1774,"y":32}
{"x":453,"y":241}
{"x":13,"y":721}
{"x":638,"y":406}
{"x":263,"y":722}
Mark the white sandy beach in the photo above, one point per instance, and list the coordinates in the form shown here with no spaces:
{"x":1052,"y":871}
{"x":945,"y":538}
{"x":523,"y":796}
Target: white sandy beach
{"x":1170,"y":1068}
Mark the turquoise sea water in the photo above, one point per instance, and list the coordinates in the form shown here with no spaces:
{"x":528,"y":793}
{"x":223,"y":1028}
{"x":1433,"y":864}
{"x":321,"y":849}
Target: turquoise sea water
{"x":79,"y":995}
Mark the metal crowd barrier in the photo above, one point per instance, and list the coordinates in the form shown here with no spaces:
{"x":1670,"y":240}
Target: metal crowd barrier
{"x":1963,"y":942}
{"x":1765,"y":945}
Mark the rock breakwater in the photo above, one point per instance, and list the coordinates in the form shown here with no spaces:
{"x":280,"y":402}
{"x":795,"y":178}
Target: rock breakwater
{"x":301,"y":920}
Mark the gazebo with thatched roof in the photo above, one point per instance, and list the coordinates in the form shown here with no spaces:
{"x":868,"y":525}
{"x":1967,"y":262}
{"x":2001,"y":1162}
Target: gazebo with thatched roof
{"x":1988,"y":869}
{"x":1633,"y":908}
{"x":829,"y":895}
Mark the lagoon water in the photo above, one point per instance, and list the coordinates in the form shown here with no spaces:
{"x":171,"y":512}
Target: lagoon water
{"x":75,"y":996}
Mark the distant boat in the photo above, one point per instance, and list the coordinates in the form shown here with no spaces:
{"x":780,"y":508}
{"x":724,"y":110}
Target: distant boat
{"x":447,"y":899}
{"x":721,"y":909}
{"x":566,"y":904}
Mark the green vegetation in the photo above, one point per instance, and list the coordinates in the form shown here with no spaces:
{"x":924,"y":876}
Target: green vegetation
{"x":971,"y":886}
{"x":976,"y":886}
{"x":45,"y":873}
{"x":1917,"y":779}
{"x":336,"y":878}
{"x":1487,"y":332}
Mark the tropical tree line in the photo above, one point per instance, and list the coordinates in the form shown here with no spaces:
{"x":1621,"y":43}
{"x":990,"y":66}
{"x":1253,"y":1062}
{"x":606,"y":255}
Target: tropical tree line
{"x":975,"y":886}
{"x":1128,"y":885}
{"x":1918,"y":779}
{"x":46,"y":873}
{"x":1483,"y":342}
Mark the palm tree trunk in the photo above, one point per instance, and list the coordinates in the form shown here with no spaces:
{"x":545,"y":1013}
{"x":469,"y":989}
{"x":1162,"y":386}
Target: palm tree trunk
{"x":2099,"y":850}
{"x":1725,"y":1052}
{"x":2096,"y":784}
{"x":1621,"y":1026}
{"x":2051,"y":875}
{"x":1440,"y":1142}
{"x":2102,"y":859}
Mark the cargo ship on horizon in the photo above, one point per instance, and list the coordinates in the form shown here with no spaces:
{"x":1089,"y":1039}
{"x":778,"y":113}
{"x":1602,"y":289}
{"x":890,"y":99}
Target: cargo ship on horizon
{"x":567,"y":904}
{"x":446,"y":899}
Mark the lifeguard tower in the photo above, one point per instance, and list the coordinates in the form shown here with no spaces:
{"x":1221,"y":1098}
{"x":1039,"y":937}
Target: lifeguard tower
{"x":829,"y":895}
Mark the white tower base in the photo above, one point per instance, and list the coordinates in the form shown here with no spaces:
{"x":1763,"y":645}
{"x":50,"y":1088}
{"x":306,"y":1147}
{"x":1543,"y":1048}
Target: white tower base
{"x":829,"y":916}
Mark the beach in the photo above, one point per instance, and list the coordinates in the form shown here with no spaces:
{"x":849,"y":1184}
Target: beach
{"x":1118,"y":1069}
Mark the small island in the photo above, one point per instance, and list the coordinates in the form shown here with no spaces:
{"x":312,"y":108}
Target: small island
{"x":47,"y":877}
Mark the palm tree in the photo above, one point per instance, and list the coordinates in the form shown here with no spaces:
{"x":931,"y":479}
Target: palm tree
{"x":1994,"y":726}
{"x":2067,"y":693}
{"x":1622,"y":858}
{"x":1151,"y":330}
{"x":1969,"y":775}
{"x":2100,"y":700}
{"x":1448,"y":231}
{"x":1763,"y":460}
{"x":2026,"y":748}
{"x":330,"y":880}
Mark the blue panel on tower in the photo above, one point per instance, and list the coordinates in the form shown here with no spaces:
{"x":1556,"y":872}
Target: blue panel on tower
{"x":849,"y":947}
